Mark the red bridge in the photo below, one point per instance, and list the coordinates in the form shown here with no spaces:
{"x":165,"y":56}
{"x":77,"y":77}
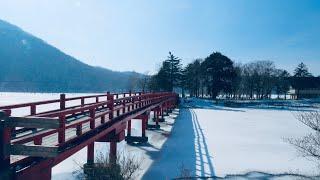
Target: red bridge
{"x":31,"y":145}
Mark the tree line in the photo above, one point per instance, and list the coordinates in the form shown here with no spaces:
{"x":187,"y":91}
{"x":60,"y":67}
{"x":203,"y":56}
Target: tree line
{"x":217,"y":75}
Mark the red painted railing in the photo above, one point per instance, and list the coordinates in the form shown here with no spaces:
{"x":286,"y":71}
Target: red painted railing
{"x":91,"y":121}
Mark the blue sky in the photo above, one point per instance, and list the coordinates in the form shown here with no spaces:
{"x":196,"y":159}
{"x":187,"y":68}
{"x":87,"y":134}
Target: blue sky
{"x":137,"y":34}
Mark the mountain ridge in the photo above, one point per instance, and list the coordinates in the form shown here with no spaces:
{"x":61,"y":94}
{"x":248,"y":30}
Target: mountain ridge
{"x":30,"y":64}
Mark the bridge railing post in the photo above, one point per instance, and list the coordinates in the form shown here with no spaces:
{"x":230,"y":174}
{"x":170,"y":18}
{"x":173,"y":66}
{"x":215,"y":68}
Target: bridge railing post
{"x":92,"y":118}
{"x":133,"y":100}
{"x":110,"y":104}
{"x":61,"y":131}
{"x":79,"y":130}
{"x":5,"y":136}
{"x":62,"y":101}
{"x":129,"y":128}
{"x":82,"y":103}
{"x":139,"y":99}
{"x":33,"y":109}
{"x":124,"y":106}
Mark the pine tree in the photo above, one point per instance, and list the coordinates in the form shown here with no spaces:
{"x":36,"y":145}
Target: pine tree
{"x":173,"y":69}
{"x":221,"y":73}
{"x":302,"y":71}
{"x":168,"y":76}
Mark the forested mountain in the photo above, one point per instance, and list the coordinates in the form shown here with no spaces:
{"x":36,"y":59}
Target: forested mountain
{"x":29,"y":64}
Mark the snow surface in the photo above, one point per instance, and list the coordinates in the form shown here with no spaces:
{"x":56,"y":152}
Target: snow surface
{"x":207,"y":139}
{"x":213,"y":140}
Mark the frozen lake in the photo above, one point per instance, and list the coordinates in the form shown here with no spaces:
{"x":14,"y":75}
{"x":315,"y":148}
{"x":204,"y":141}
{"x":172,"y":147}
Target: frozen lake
{"x":207,"y":140}
{"x":212,"y":140}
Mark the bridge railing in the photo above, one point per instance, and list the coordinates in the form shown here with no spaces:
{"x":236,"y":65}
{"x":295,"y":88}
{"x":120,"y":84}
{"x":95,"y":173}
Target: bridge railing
{"x":57,"y":105}
{"x":63,"y":101}
{"x":60,"y":120}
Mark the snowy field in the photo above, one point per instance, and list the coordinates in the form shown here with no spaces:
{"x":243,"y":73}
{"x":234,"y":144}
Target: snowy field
{"x":213,"y":140}
{"x":207,"y":140}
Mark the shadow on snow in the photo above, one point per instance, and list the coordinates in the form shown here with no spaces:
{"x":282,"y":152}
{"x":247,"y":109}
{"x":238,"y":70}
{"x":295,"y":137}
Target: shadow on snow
{"x":186,"y":147}
{"x":243,"y":106}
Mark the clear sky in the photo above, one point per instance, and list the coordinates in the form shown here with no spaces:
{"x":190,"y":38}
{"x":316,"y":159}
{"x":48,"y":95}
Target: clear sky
{"x":137,"y":34}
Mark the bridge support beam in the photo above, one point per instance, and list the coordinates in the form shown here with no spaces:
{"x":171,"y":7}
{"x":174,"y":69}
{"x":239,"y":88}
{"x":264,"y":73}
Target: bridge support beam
{"x":129,"y":129}
{"x":113,"y":152}
{"x":90,"y":153}
{"x":156,"y":113}
{"x":161,"y":114}
{"x":138,"y":139}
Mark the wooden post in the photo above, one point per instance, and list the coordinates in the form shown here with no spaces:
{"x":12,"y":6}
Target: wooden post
{"x":92,"y":118}
{"x":33,"y":110}
{"x":157,"y":117}
{"x":118,"y":112}
{"x":79,"y":130}
{"x":129,"y":128}
{"x":82,"y":103}
{"x":133,"y":99}
{"x":5,"y":136}
{"x":113,"y":152}
{"x":124,"y":106}
{"x":97,"y":101}
{"x":61,"y":132}
{"x":90,"y":153}
{"x":110,"y":104}
{"x":140,"y":98}
{"x":144,"y":125}
{"x":103,"y":119}
{"x":38,"y":141}
{"x":62,"y":101}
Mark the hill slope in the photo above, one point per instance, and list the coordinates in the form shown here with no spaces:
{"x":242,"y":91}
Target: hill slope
{"x":30,"y":64}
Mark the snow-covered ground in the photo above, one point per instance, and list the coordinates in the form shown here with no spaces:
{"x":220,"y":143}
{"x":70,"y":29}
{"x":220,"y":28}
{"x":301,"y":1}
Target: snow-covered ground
{"x":208,"y":140}
{"x":213,"y":140}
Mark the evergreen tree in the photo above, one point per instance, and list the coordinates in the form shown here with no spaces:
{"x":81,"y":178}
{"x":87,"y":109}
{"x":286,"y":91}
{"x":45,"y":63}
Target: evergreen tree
{"x":300,"y":74}
{"x":282,"y":83}
{"x":220,"y":72}
{"x":168,"y":76}
{"x":172,"y":68}
{"x":302,"y":71}
{"x":192,"y":75}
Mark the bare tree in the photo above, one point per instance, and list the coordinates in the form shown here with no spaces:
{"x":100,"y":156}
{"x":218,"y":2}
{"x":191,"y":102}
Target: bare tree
{"x":143,"y":82}
{"x":309,"y":145}
{"x":133,"y":80}
{"x":125,"y":168}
